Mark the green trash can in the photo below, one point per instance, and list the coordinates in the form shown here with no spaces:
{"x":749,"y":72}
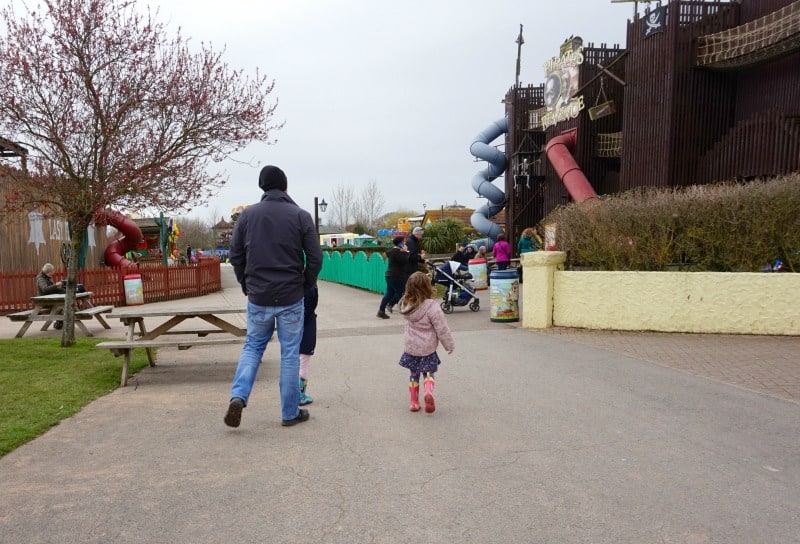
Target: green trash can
{"x":504,"y":296}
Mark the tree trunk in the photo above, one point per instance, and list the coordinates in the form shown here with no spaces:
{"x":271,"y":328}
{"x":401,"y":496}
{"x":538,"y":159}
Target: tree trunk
{"x":75,"y":242}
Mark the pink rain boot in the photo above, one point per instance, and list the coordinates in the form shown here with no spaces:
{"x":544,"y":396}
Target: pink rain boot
{"x":430,"y":405}
{"x":413,"y":392}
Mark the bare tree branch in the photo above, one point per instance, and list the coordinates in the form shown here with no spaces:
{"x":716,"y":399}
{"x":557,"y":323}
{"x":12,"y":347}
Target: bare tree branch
{"x":343,"y":206}
{"x":371,"y":205}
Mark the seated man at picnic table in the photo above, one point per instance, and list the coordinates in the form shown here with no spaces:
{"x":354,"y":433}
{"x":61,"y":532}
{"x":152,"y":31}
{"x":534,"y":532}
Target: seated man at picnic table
{"x":45,"y":284}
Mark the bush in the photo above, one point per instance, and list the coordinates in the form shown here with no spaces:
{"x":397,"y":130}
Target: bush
{"x":722,"y":227}
{"x":443,"y":236}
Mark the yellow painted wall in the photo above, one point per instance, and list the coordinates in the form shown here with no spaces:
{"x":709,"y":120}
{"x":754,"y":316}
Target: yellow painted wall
{"x":699,"y":302}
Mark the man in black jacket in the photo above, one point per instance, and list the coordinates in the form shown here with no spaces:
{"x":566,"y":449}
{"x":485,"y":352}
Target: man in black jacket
{"x":276,"y":256}
{"x":416,"y":255}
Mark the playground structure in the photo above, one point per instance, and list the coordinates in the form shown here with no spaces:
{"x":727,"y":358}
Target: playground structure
{"x":129,"y":241}
{"x":704,"y":91}
{"x":482,"y":181}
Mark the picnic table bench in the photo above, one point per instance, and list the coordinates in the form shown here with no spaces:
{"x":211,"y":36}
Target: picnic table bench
{"x":147,"y":340}
{"x":50,"y":309}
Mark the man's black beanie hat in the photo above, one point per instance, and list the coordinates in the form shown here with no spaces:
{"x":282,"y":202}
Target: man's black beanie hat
{"x":272,"y":177}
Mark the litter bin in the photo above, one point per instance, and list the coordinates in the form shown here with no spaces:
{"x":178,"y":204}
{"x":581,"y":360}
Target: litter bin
{"x":504,"y":296}
{"x":134,"y":293}
{"x":477,"y":267}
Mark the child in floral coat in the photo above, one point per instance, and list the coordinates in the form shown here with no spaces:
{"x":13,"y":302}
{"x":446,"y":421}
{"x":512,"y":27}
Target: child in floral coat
{"x":426,"y":327}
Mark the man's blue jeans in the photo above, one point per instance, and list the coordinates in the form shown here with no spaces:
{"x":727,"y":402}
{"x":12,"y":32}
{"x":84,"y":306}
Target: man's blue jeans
{"x":261,"y":322}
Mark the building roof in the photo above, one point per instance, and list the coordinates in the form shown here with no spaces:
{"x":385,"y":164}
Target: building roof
{"x":146,"y":223}
{"x":325,"y":230}
{"x":461,"y":214}
{"x":11,"y":149}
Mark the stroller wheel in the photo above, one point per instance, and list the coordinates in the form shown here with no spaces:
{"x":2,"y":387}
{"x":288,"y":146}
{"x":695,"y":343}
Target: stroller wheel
{"x":475,"y":305}
{"x":446,"y":307}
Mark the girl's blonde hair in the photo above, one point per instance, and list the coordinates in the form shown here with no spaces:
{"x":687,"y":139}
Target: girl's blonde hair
{"x":418,"y":290}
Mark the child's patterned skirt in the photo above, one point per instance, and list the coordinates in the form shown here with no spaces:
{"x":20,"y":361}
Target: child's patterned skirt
{"x":420,"y":364}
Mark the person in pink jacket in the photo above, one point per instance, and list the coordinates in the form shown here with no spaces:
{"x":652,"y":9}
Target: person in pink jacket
{"x":502,"y":252}
{"x":425,"y":328}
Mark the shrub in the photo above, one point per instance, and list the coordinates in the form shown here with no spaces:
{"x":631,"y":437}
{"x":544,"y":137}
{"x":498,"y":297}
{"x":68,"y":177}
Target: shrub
{"x":733,"y":226}
{"x":443,"y":236}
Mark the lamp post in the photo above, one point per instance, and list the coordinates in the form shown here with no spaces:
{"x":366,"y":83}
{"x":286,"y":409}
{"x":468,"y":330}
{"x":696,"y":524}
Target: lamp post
{"x":319,"y":207}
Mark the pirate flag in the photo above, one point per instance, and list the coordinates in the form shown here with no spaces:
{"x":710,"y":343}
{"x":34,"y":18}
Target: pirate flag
{"x":655,"y":21}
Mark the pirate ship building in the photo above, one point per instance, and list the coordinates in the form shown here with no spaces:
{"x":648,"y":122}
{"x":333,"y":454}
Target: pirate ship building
{"x":704,"y":91}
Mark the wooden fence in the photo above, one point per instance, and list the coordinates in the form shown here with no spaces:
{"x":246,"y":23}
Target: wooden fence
{"x":159,"y":283}
{"x":356,"y":270}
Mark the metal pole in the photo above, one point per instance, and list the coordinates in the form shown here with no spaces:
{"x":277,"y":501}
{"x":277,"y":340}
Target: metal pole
{"x":316,"y":215}
{"x":520,"y":41}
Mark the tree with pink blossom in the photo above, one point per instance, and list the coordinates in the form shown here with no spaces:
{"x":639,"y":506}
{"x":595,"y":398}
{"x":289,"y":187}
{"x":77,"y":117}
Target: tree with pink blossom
{"x":116,"y":113}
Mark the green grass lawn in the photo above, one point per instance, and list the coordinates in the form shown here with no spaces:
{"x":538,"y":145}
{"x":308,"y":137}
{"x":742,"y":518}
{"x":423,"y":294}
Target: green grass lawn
{"x":42,"y":383}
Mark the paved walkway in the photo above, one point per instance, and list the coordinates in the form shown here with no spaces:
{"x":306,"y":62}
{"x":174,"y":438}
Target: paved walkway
{"x":766,"y":364}
{"x":555,"y":436}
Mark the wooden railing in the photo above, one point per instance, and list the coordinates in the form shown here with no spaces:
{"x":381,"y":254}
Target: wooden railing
{"x":159,"y":283}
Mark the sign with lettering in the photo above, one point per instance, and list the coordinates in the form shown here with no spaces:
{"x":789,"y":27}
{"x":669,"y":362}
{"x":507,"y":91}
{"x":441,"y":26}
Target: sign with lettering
{"x":561,"y":81}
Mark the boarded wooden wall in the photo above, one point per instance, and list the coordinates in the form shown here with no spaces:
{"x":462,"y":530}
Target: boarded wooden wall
{"x":603,"y":174}
{"x":753,"y":9}
{"x":524,"y":196}
{"x":681,"y":124}
{"x":708,"y":125}
{"x":28,"y":240}
{"x":673,"y":111}
{"x":531,"y":200}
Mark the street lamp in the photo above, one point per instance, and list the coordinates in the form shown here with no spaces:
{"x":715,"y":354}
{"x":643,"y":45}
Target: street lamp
{"x":319,"y":207}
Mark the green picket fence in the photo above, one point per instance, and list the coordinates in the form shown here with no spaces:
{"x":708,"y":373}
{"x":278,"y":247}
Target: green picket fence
{"x":356,"y":270}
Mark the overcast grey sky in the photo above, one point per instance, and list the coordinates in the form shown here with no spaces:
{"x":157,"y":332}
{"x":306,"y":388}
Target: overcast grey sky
{"x":388,"y":91}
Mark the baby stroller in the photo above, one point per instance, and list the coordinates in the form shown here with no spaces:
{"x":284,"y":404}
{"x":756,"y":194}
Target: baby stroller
{"x":459,"y":290}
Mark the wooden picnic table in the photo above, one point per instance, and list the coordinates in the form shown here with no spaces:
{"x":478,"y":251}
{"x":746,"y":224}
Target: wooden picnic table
{"x":50,"y":309}
{"x":223,"y":331}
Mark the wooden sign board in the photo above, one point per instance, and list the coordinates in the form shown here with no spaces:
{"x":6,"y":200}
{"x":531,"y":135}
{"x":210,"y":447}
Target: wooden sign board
{"x":602,"y":110}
